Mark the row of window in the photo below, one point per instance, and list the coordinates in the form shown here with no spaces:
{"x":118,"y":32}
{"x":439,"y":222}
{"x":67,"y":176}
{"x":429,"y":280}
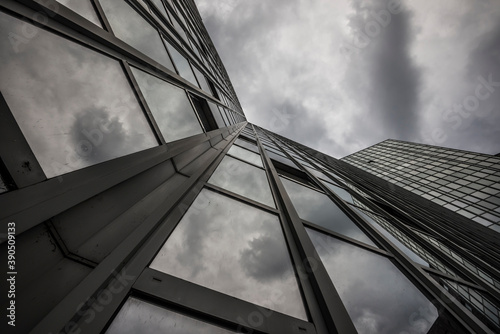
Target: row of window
{"x":139,"y":33}
{"x":478,"y":301}
{"x":76,"y":107}
{"x":470,"y":190}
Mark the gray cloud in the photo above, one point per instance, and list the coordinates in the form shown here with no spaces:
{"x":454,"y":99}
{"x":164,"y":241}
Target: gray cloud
{"x":284,"y":61}
{"x":263,"y":259}
{"x":477,"y":128}
{"x":391,"y":74}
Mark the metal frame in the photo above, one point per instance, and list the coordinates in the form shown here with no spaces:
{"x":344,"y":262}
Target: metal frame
{"x":415,"y":271}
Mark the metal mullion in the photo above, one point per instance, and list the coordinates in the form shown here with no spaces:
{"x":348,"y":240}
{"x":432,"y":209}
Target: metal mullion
{"x":15,"y":152}
{"x":302,"y":183}
{"x":216,"y":307}
{"x":102,"y":17}
{"x":143,"y":103}
{"x":32,"y":205}
{"x":347,"y":239}
{"x":240,"y":198}
{"x":458,"y":280}
{"x":242,"y":160}
{"x":157,"y":11}
{"x":131,"y":256}
{"x":327,"y":309}
{"x":307,"y":292}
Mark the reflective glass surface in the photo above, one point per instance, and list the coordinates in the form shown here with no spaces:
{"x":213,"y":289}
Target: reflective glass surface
{"x":319,"y":209}
{"x":246,"y":155}
{"x":280,"y":158}
{"x":59,"y":93}
{"x":377,"y":296}
{"x":342,"y":193}
{"x":226,"y":245}
{"x":137,"y":316}
{"x":224,"y":116}
{"x":179,"y":29}
{"x":169,"y":105}
{"x":247,"y":145}
{"x":132,"y":28}
{"x":201,"y":80}
{"x":396,"y":242}
{"x":160,"y":6}
{"x":83,"y":8}
{"x":182,"y":64}
{"x":318,"y":174}
{"x":216,"y":113}
{"x":243,"y":179}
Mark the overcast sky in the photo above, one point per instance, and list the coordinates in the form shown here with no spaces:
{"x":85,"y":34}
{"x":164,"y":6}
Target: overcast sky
{"x":340,"y":75}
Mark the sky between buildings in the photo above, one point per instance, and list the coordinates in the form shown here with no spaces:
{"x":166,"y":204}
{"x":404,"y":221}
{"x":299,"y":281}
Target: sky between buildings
{"x":339,"y":75}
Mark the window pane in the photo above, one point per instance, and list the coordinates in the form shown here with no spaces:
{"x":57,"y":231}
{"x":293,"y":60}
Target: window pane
{"x":179,"y":29}
{"x":224,"y":116}
{"x":83,"y":8}
{"x":377,"y":296}
{"x":233,"y":248}
{"x":182,"y":64}
{"x":59,"y":92}
{"x":132,"y":28}
{"x":318,"y":174}
{"x":246,"y":155}
{"x":280,"y":158}
{"x":243,"y":179}
{"x":371,"y":219}
{"x":342,"y":193}
{"x":201,"y":80}
{"x":319,"y":209}
{"x":247,"y":145}
{"x":137,"y":316}
{"x":170,"y":107}
{"x":216,"y":113}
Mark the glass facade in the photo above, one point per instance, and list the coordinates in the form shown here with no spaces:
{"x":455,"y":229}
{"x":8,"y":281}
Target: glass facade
{"x":143,"y":201}
{"x":465,"y":182}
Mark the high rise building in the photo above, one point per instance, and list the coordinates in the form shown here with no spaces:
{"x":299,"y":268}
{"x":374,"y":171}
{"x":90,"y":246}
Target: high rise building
{"x":136,"y":198}
{"x":465,"y":182}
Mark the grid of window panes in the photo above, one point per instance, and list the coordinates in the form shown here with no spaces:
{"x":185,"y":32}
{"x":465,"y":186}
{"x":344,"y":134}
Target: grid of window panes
{"x":327,"y":226}
{"x":249,"y":260}
{"x":473,"y":299}
{"x":465,"y":182}
{"x":67,"y":131}
{"x":177,"y":19}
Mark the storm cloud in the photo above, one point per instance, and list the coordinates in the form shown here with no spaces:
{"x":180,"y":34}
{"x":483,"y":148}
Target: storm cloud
{"x":401,"y":78}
